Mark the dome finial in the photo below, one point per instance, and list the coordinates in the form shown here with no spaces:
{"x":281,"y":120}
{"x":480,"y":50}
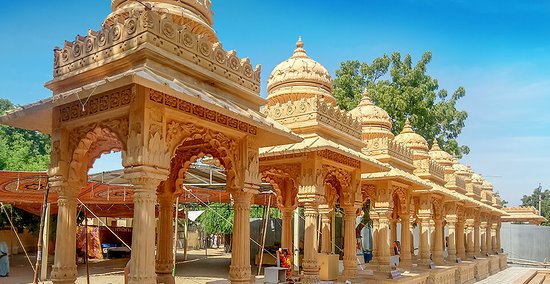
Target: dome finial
{"x":407,"y":128}
{"x":435,"y":146}
{"x":299,"y":51}
{"x":365,"y":99}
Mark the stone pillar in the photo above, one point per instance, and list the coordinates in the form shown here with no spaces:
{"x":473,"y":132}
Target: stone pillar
{"x":384,"y":247}
{"x":310,"y":265}
{"x":350,"y":260}
{"x":393,"y":230}
{"x":240,"y":271}
{"x":483,"y":228}
{"x":424,"y":245}
{"x":488,"y":240}
{"x":165,"y":239}
{"x":438,"y":239}
{"x":477,"y":225}
{"x":498,"y":237}
{"x":64,"y":265}
{"x":142,"y":261}
{"x":470,"y":239}
{"x":494,"y":238}
{"x":375,"y":230}
{"x":451,"y":248}
{"x":460,"y":248}
{"x":406,"y":257}
{"x":326,"y":229}
{"x":286,"y":230}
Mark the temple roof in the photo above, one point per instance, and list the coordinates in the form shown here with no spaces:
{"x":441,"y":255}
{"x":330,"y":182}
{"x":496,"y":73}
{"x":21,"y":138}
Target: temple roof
{"x":37,"y":116}
{"x":523,"y":214}
{"x":299,"y":77}
{"x":318,"y":143}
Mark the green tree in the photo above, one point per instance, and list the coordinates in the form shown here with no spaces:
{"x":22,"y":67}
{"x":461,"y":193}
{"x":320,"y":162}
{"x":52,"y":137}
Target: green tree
{"x":404,"y":90}
{"x":21,"y":150}
{"x":533,"y":200}
{"x":218,"y":217}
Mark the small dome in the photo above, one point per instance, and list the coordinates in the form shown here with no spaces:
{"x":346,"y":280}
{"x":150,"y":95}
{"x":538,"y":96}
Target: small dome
{"x":476,"y":178}
{"x":412,"y":140}
{"x":375,"y":121}
{"x":487,"y":185}
{"x":461,"y":169}
{"x":440,"y":156}
{"x":299,"y":77}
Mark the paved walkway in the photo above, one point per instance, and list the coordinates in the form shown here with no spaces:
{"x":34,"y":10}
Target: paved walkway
{"x":508,"y":276}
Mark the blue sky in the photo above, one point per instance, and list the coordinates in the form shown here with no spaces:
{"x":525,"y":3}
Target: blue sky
{"x":497,"y":50}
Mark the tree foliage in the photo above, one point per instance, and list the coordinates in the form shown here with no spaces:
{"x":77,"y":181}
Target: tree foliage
{"x":218,"y":217}
{"x":21,"y":150}
{"x":405,"y":90}
{"x":533,"y":200}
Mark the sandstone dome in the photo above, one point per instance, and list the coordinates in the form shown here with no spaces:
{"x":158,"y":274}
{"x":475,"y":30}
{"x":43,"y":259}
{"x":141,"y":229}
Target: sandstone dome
{"x":375,"y":121}
{"x":299,"y":77}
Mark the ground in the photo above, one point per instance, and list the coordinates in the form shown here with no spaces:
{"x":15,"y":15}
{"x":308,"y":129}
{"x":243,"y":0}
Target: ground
{"x":199,"y":269}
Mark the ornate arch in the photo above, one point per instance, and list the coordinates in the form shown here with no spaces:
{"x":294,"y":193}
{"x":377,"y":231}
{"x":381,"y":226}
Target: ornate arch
{"x":89,"y":142}
{"x":399,"y":194}
{"x":189,"y":142}
{"x":340,"y":182}
{"x":284,"y":181}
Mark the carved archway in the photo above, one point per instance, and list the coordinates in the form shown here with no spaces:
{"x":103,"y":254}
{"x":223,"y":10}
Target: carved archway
{"x":400,"y":204}
{"x":283,"y":179}
{"x":338,"y":183}
{"x":90,"y":142}
{"x":189,"y":142}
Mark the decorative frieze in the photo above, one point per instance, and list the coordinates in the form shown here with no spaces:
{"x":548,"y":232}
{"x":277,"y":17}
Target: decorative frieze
{"x":201,"y":112}
{"x":314,"y":109}
{"x":96,"y":104}
{"x":159,"y":31}
{"x":339,"y":158}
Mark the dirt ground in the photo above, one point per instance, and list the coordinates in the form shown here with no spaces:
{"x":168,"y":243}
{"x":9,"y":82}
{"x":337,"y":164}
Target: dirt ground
{"x":199,"y":269}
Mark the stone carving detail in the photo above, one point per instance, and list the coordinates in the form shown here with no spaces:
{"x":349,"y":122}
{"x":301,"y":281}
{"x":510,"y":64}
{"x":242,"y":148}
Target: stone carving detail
{"x":189,"y":142}
{"x":340,"y":182}
{"x":369,"y":192}
{"x":96,"y":104}
{"x":284,"y":179}
{"x":88,"y":142}
{"x":306,"y":109}
{"x":337,"y":157}
{"x":401,"y":194}
{"x":140,"y":27}
{"x":282,"y":157}
{"x":200,"y":112}
{"x":383,"y":145}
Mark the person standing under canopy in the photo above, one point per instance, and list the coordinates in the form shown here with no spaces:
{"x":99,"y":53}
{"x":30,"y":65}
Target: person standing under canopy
{"x":4,"y":260}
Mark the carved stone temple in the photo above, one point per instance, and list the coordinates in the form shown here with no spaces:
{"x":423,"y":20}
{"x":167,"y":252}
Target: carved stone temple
{"x":156,"y":84}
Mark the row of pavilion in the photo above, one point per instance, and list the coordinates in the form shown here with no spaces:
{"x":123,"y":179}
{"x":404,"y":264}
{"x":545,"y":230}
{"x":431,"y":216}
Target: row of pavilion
{"x":156,"y":84}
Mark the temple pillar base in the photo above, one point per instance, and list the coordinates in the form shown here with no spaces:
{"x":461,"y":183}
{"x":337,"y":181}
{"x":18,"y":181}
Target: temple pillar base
{"x":64,"y":274}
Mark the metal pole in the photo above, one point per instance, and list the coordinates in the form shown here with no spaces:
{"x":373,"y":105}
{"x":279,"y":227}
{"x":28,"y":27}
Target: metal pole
{"x":263,"y":235}
{"x":185,"y":232}
{"x":296,"y":241}
{"x":86,"y":234}
{"x":176,"y":235}
{"x":45,"y":247}
{"x":540,"y":198}
{"x":40,"y":232}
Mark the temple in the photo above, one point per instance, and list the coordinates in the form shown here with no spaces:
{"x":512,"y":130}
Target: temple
{"x":156,"y":84}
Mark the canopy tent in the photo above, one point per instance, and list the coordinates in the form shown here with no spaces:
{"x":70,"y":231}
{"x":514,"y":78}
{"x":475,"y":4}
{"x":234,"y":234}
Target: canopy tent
{"x":108,"y":194}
